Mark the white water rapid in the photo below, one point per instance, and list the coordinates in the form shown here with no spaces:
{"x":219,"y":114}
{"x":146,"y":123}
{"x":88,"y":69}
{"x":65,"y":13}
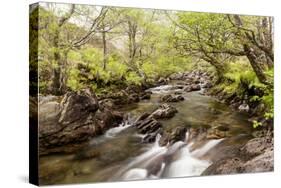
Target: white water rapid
{"x":173,"y":161}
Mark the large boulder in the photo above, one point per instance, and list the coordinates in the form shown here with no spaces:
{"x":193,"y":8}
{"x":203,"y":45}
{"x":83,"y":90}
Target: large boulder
{"x":77,"y":106}
{"x":164,"y":111}
{"x":257,"y":146}
{"x":255,"y":156}
{"x":64,"y":124}
{"x":171,"y":98}
{"x":225,"y":166}
{"x":148,"y":126}
{"x":261,"y":163}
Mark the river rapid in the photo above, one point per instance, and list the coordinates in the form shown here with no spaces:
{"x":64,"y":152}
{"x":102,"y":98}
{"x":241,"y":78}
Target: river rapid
{"x":120,"y":155}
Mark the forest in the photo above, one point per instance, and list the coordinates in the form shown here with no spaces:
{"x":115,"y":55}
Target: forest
{"x":111,"y":60}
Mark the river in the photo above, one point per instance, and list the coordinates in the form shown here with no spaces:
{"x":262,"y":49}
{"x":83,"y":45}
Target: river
{"x":120,"y":155}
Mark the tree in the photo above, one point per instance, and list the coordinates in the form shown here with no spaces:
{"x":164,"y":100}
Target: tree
{"x":64,"y":38}
{"x":216,"y":38}
{"x":111,"y":21}
{"x":206,"y":36}
{"x":58,"y":80}
{"x":256,"y":36}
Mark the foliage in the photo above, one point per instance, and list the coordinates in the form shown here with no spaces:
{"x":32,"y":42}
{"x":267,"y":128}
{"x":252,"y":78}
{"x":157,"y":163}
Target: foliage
{"x":133,"y":78}
{"x":116,"y":69}
{"x":107,"y":48}
{"x":268,"y":98}
{"x":73,"y":81}
{"x":256,"y":124}
{"x":240,"y":79}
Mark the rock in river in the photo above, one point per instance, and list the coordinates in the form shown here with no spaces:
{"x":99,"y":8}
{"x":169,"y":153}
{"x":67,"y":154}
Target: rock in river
{"x":172,"y":98}
{"x":77,"y":118}
{"x":149,"y":125}
{"x":255,"y":156}
{"x":193,"y":87}
{"x":164,"y":111}
{"x":177,"y":134}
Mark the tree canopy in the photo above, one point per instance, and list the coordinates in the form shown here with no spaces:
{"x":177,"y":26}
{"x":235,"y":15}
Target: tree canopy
{"x":91,"y":46}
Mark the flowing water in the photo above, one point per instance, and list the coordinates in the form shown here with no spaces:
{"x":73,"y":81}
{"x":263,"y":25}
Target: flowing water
{"x":120,"y":155}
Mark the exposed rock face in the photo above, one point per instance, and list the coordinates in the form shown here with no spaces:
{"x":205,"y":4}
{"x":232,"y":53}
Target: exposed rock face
{"x":149,"y":126}
{"x":72,"y":121}
{"x":172,"y":98}
{"x":255,"y":156}
{"x":261,"y":163}
{"x":164,"y":111}
{"x":147,"y":123}
{"x":225,"y":166}
{"x":77,"y":106}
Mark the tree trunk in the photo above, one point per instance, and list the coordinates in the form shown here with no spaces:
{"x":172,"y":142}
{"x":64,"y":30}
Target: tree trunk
{"x":219,"y":66}
{"x":219,"y":69}
{"x":132,"y":29}
{"x":258,"y":47}
{"x":58,"y":85}
{"x":104,"y":50}
{"x":257,"y":63}
{"x":56,"y":79}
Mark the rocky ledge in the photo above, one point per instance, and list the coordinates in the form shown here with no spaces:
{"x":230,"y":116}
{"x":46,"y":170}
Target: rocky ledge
{"x":149,"y":125}
{"x":257,"y":155}
{"x":67,"y":123}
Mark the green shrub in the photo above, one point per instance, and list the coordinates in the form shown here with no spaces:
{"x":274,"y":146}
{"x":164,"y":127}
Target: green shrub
{"x":133,"y":78}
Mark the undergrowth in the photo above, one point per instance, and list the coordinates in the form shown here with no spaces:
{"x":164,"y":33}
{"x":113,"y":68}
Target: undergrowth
{"x":241,"y":81}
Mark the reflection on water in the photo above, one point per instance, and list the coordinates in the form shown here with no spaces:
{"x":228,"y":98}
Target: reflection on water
{"x":120,"y":155}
